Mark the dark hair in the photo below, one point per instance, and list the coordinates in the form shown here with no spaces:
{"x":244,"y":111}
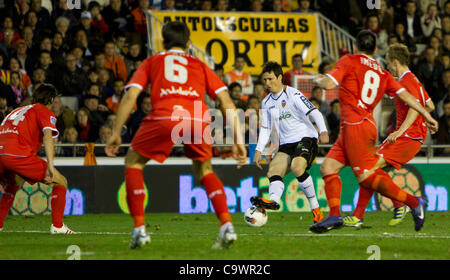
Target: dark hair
{"x":334,"y":102}
{"x":44,"y":94}
{"x":175,"y":34}
{"x":272,"y":66}
{"x":252,"y":97}
{"x":322,"y":67}
{"x":297,"y":55}
{"x":233,"y":85}
{"x":366,"y":41}
{"x":218,"y":67}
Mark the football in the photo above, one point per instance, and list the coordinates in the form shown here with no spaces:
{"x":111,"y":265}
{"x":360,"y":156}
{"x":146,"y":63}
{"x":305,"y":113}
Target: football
{"x":255,"y":217}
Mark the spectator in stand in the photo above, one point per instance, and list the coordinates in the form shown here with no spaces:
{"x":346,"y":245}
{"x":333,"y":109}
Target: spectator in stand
{"x":16,"y":89}
{"x":221,"y":6}
{"x":445,"y":22}
{"x":436,"y":44}
{"x":44,"y":22}
{"x":304,"y":6}
{"x":206,"y":6}
{"x":405,"y":38}
{"x":59,"y":50}
{"x":238,"y":75}
{"x":19,"y":11}
{"x":85,"y":131}
{"x":62,"y":11}
{"x":92,"y":76}
{"x":104,"y":80}
{"x":144,"y":108}
{"x":430,"y":20}
{"x":218,"y":69}
{"x":15,"y":66}
{"x":28,"y":36}
{"x":25,"y":60}
{"x":45,"y":63}
{"x":323,"y":104}
{"x":235,"y":90}
{"x":8,"y":23}
{"x":70,"y":136}
{"x":428,"y":71}
{"x":325,"y":67}
{"x":386,"y":18}
{"x":62,"y":26}
{"x":442,"y":93}
{"x":297,"y":65}
{"x":31,"y":20}
{"x":97,"y":20}
{"x":65,"y":117}
{"x":120,"y":44}
{"x":392,"y":39}
{"x":114,"y":62}
{"x":140,"y":23}
{"x":256,"y":6}
{"x":411,"y":22}
{"x":113,"y":102}
{"x":117,"y":16}
{"x":443,"y":134}
{"x":94,"y":37}
{"x":134,"y":54}
{"x":445,"y":60}
{"x":333,"y":120}
{"x":373,"y":24}
{"x":39,"y":78}
{"x":7,"y":45}
{"x":72,"y":81}
{"x":259,"y":91}
{"x":104,"y":134}
{"x":97,"y":113}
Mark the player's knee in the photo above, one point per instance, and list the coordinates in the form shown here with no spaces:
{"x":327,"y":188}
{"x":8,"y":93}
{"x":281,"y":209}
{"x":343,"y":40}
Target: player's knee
{"x":325,"y":169}
{"x":202,"y":168}
{"x":298,"y":167}
{"x":271,"y":173}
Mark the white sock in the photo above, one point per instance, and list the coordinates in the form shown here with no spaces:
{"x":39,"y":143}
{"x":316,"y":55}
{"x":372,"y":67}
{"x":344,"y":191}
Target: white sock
{"x":276,"y":189}
{"x":308,"y":188}
{"x":139,"y":229}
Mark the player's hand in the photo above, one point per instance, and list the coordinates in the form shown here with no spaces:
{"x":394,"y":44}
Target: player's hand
{"x":240,"y":154}
{"x":49,"y":174}
{"x":393,"y":136}
{"x":113,"y":144}
{"x":432,"y":124}
{"x":324,"y":138}
{"x":257,"y":159}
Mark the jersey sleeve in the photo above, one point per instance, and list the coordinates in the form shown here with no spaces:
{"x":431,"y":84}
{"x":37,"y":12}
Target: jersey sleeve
{"x":392,"y":86}
{"x":140,"y":78}
{"x":425,"y":96}
{"x":214,"y":84}
{"x":303,"y":104}
{"x":46,"y":120}
{"x":265,"y":118}
{"x":340,"y":70}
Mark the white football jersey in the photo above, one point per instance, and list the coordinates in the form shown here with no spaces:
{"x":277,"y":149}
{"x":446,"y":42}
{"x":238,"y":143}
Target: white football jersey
{"x":287,"y":112}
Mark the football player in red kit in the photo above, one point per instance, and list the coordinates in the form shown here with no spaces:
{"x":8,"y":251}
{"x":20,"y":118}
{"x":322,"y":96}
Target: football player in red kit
{"x":22,"y":134}
{"x":178,"y":84}
{"x":403,"y":144}
{"x":363,"y":82}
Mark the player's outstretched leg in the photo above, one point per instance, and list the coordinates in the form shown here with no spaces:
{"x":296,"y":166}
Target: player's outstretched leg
{"x":58,"y":203}
{"x":134,"y":180}
{"x":382,"y":183}
{"x":7,"y":200}
{"x":216,"y":193}
{"x":357,"y":217}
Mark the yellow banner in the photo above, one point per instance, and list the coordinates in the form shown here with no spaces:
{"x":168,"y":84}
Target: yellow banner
{"x":260,"y":37}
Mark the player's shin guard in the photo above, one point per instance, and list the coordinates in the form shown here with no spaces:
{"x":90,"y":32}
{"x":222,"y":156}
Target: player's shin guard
{"x":6,"y":201}
{"x":382,"y":183}
{"x":306,"y":183}
{"x":364,"y":197}
{"x":58,"y":203}
{"x":134,"y":181}
{"x":216,"y":193}
{"x":333,"y":189}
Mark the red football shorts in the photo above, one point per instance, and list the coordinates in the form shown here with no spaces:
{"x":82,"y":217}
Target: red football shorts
{"x":399,"y":152}
{"x":155,"y":139}
{"x":32,"y":169}
{"x":355,"y":147}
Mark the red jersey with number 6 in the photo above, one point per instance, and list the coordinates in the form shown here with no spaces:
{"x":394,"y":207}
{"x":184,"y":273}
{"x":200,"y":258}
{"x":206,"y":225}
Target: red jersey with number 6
{"x":21,"y":132}
{"x":177,"y":80}
{"x":363,"y":82}
{"x":418,"y":130}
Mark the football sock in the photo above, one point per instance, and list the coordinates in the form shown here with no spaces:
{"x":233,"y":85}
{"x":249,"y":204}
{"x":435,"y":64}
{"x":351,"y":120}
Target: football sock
{"x":306,"y":183}
{"x":276,"y":188}
{"x":134,"y":181}
{"x":6,"y":201}
{"x":333,"y":188}
{"x":364,"y":197}
{"x":397,"y":204}
{"x":58,"y":203}
{"x":382,"y":183}
{"x":216,"y":193}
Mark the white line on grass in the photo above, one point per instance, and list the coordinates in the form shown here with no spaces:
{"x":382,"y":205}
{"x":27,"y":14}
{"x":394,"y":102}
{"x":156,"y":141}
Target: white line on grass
{"x":380,"y":235}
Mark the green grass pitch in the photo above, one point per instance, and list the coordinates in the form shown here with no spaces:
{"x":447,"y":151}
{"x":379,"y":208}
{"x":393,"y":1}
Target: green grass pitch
{"x":189,"y":237}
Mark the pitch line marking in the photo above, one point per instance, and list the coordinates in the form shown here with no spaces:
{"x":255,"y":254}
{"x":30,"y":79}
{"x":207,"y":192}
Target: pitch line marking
{"x":383,"y":235}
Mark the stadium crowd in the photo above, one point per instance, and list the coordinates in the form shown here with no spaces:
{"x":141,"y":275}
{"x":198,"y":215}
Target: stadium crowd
{"x":89,"y":54}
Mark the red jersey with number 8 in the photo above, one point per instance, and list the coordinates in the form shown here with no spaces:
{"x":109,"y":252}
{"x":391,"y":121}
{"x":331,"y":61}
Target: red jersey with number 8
{"x":363,"y":82}
{"x":21,"y":132}
{"x":177,"y":80}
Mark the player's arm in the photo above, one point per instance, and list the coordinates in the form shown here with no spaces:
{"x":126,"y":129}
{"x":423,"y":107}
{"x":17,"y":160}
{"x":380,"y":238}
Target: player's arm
{"x":49,"y":147}
{"x":320,"y":122}
{"x":429,"y":106}
{"x":229,"y":111}
{"x":412,"y":103}
{"x":325,"y":82}
{"x":411,"y":116}
{"x":125,"y":109}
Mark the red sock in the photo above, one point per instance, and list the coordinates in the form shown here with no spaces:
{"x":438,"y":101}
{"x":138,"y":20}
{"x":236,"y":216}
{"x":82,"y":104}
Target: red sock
{"x":397,"y":204}
{"x":364,"y":197}
{"x":6,"y":201}
{"x":216,"y":193}
{"x":134,"y":181}
{"x":333,"y":188}
{"x":382,"y":183}
{"x":58,"y":204}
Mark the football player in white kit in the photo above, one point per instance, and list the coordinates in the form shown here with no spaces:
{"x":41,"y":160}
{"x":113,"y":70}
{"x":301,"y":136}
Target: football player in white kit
{"x":287,"y":110}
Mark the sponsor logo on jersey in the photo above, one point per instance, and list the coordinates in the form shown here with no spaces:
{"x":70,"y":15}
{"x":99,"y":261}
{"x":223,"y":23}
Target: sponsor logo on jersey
{"x":179,"y":91}
{"x":307,"y":103}
{"x":285,"y":115}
